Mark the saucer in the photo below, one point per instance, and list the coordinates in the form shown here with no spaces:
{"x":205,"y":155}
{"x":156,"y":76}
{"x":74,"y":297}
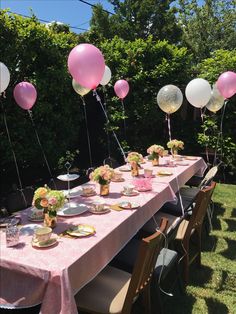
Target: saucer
{"x":88,"y":194}
{"x":164,"y":173}
{"x":125,"y":169}
{"x":99,"y":212}
{"x":133,"y":193}
{"x":35,"y":219}
{"x":44,"y":244}
{"x":190,"y":158}
{"x":118,"y":180}
{"x":144,"y":189}
{"x":128,"y":205}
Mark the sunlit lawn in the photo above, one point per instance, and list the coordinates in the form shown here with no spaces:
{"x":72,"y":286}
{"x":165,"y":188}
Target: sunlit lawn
{"x":212,"y":288}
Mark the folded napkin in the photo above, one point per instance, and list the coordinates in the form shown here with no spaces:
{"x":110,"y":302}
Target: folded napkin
{"x":116,"y":207}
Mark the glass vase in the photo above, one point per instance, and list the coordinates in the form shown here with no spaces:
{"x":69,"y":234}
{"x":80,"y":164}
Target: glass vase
{"x":134,"y":169}
{"x":104,"y":189}
{"x":50,"y":219}
{"x":155,"y":161}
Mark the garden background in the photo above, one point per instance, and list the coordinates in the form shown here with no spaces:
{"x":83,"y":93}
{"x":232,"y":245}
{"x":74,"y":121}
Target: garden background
{"x":148,"y":43}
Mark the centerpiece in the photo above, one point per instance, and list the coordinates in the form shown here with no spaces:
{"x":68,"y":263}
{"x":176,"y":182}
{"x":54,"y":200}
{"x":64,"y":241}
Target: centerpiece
{"x":50,"y":201}
{"x":102,"y":175}
{"x":134,"y":159}
{"x":175,"y":145}
{"x":155,"y":151}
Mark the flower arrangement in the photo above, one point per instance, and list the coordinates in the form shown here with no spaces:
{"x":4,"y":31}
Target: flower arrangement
{"x":155,"y":151}
{"x":134,"y":157}
{"x":102,"y":174}
{"x":47,"y":199}
{"x":175,"y":145}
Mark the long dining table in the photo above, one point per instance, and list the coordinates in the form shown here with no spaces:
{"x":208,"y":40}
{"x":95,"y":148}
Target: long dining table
{"x":52,"y":276}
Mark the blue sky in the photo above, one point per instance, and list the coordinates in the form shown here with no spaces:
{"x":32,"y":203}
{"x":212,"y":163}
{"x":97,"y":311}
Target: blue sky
{"x":72,"y":12}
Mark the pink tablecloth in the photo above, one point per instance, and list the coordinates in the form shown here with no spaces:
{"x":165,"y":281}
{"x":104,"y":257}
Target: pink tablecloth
{"x":53,"y":275}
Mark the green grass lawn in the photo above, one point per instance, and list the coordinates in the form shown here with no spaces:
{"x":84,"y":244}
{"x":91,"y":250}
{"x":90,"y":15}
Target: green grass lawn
{"x":212,"y":288}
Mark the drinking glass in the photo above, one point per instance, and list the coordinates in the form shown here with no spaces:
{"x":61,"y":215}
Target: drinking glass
{"x":12,"y":233}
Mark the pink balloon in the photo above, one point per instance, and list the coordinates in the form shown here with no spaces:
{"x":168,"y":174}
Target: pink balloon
{"x":226,"y":84}
{"x":25,"y":95}
{"x":86,"y":65}
{"x":121,"y":88}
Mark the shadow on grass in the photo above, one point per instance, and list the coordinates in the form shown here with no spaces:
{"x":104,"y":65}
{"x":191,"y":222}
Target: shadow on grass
{"x":231,"y":224}
{"x":233,"y":213}
{"x":219,"y":211}
{"x":216,"y":307}
{"x":199,"y":276}
{"x":230,"y":252}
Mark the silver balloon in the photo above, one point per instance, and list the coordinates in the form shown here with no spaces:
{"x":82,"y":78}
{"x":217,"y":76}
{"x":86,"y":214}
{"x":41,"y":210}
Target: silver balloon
{"x":216,"y":101}
{"x":169,"y":98}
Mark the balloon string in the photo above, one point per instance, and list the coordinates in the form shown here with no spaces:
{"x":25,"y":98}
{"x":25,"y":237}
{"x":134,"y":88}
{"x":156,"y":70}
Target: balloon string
{"x":107,"y":131}
{"x":87,"y":132}
{"x":220,"y":135}
{"x":206,"y":146}
{"x":114,"y":134}
{"x":41,"y":147}
{"x":168,"y":122}
{"x":124,"y":120}
{"x":13,"y":153}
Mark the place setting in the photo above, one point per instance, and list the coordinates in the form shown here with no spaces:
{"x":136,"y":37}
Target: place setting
{"x":99,"y":208}
{"x":43,"y":238}
{"x":117,"y":177}
{"x":79,"y":231}
{"x":129,"y":190}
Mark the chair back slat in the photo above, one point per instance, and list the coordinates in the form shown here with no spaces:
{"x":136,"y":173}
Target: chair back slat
{"x":145,"y":263}
{"x":202,"y":202}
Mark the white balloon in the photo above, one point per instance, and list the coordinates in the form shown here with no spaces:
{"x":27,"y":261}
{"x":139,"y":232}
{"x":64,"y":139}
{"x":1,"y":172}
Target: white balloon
{"x":198,"y":92}
{"x":106,"y":76}
{"x":169,"y":98}
{"x":4,"y":77}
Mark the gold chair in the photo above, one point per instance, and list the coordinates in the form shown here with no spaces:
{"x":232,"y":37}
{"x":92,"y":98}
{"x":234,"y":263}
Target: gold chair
{"x":114,"y":291}
{"x":193,"y":226}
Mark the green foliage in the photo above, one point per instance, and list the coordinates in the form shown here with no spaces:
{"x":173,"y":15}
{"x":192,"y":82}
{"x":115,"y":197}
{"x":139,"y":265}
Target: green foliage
{"x":34,"y":53}
{"x":68,"y":158}
{"x":147,"y":65}
{"x":210,"y":69}
{"x":207,"y":26}
{"x":213,"y":139}
{"x":137,"y":19}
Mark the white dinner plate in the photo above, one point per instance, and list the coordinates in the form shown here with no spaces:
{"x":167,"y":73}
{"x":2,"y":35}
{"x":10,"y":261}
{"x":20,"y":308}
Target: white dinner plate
{"x":73,"y":193}
{"x":68,"y":177}
{"x":29,"y":229}
{"x":73,"y":209}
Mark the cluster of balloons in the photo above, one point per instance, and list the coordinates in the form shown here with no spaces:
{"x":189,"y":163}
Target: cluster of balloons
{"x":87,"y":67}
{"x":198,"y":93}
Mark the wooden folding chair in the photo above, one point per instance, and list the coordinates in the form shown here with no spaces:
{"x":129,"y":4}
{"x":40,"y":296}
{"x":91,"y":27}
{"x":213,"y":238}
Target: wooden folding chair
{"x":114,"y":291}
{"x":193,"y":226}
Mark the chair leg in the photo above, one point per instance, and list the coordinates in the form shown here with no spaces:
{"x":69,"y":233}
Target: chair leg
{"x":199,"y":244}
{"x":156,"y":298}
{"x":146,"y":298}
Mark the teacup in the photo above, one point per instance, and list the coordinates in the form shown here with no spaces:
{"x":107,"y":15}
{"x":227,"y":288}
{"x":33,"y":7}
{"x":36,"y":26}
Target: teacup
{"x":42,"y":234}
{"x":98,"y":206}
{"x":88,"y":189}
{"x":128,"y":189}
{"x":117,"y":176}
{"x":148,"y":173}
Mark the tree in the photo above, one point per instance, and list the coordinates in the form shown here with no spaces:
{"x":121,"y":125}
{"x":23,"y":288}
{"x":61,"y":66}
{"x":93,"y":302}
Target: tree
{"x":208,"y":27}
{"x":137,"y":19}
